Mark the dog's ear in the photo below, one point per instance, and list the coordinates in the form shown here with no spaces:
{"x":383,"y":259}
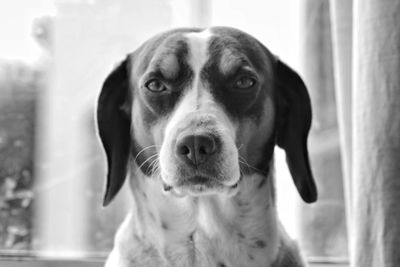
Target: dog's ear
{"x":113,"y":121}
{"x":293,"y":125}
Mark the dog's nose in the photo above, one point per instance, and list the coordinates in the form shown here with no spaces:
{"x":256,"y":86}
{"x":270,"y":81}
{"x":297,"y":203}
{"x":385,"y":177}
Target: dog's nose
{"x":195,"y":149}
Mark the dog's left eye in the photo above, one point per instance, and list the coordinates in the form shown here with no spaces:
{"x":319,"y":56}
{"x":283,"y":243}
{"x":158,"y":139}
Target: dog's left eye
{"x":245,"y":82}
{"x":155,"y":85}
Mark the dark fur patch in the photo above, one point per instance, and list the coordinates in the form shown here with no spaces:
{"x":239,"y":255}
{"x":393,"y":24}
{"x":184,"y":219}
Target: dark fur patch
{"x":162,"y":103}
{"x":241,"y":236}
{"x":239,"y":103}
{"x":191,"y":237}
{"x":260,"y":244}
{"x":164,"y":225}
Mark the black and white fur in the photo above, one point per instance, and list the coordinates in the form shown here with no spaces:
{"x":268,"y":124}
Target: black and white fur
{"x":191,"y":118}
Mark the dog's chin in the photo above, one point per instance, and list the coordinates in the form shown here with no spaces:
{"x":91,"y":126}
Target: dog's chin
{"x":200,"y":186}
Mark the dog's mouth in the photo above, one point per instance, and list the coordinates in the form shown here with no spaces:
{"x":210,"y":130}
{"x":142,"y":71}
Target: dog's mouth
{"x":200,"y":186}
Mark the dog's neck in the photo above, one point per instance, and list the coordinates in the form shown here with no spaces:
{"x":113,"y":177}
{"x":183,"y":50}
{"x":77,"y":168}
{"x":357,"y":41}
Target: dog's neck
{"x":207,"y":230}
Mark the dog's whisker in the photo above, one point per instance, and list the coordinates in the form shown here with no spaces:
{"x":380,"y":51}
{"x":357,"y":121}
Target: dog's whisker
{"x":144,"y":149}
{"x":155,"y":173}
{"x":154,"y":166}
{"x":151,"y":166}
{"x":144,"y":162}
{"x":241,"y":171}
{"x":156,"y":169}
{"x":244,"y":161}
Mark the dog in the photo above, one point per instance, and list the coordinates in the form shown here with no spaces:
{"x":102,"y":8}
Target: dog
{"x":192,"y":117}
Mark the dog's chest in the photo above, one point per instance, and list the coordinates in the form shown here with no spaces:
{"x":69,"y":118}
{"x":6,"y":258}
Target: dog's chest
{"x":210,"y":231}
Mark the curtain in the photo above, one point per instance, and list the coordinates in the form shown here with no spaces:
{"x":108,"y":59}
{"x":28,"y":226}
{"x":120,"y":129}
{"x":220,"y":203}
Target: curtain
{"x":365,"y":37}
{"x":323,"y":224}
{"x":376,"y":133}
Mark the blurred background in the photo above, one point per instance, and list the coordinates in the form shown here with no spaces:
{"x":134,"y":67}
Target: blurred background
{"x":54,"y":56}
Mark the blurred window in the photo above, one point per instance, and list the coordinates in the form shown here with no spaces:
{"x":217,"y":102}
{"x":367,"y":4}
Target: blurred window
{"x":54,"y":57}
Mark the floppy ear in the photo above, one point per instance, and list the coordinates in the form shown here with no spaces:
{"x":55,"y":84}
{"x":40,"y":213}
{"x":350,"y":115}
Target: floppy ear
{"x":114,"y":125}
{"x":294,"y":121}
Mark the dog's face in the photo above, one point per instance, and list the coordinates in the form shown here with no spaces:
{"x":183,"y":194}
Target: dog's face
{"x":203,"y":109}
{"x":200,"y":97}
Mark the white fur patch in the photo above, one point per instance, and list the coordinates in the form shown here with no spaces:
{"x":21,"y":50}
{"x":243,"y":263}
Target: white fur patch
{"x":198,"y":50}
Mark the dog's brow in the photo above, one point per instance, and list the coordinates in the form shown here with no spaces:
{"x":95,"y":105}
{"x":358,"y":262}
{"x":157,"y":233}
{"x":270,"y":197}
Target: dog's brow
{"x":231,"y":61}
{"x":168,"y":65}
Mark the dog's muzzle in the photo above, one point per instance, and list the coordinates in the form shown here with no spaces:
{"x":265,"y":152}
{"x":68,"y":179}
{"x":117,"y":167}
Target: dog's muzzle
{"x":199,"y":157}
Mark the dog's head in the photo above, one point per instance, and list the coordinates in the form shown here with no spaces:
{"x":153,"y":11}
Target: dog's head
{"x":202,"y":109}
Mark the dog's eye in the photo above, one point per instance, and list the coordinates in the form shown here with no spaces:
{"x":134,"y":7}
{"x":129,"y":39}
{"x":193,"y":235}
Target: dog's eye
{"x":245,"y":82}
{"x":155,"y":85}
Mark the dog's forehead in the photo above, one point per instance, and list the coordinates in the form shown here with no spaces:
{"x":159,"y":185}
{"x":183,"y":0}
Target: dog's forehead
{"x":198,"y":46}
{"x":164,"y":53}
{"x":228,"y":47}
{"x":203,"y":62}
{"x":231,"y":48}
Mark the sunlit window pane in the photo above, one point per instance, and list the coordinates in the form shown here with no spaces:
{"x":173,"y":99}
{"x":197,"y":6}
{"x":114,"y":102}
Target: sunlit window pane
{"x":54,"y":57}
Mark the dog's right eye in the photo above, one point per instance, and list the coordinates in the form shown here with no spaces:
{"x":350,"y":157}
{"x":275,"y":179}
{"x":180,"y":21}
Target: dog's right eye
{"x":155,"y":85}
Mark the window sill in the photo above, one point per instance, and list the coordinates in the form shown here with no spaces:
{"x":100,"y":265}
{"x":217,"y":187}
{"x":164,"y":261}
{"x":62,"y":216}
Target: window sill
{"x":15,"y":260}
{"x":29,"y":260}
{"x":50,"y":263}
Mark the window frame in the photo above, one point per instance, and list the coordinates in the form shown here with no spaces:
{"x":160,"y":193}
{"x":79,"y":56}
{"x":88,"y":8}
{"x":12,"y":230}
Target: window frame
{"x":29,"y":259}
